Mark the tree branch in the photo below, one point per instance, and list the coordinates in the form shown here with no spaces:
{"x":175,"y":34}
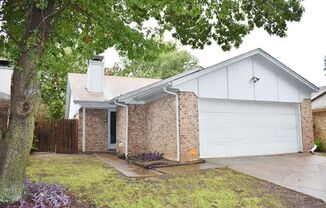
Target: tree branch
{"x":57,"y":10}
{"x":82,"y":11}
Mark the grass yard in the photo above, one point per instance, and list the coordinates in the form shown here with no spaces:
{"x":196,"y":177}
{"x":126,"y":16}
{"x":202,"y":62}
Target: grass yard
{"x":90,"y":179}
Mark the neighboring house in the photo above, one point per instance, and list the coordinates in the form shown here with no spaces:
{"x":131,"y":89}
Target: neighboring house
{"x":5,"y":83}
{"x":251,"y":104}
{"x":318,"y":99}
{"x":318,"y":104}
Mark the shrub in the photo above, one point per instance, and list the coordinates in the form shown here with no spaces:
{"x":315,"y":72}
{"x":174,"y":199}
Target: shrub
{"x":42,"y":195}
{"x":150,"y":156}
{"x":320,"y":145}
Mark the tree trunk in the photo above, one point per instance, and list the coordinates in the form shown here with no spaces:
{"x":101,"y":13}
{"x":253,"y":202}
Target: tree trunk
{"x":24,"y":102}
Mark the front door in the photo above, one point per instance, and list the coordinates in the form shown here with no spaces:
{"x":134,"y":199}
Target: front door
{"x":112,"y":138}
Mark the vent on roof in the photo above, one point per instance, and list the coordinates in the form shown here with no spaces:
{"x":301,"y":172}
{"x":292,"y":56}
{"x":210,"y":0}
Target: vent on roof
{"x":95,"y":74}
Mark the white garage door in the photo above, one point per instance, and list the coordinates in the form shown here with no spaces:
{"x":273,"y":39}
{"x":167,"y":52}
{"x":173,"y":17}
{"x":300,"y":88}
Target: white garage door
{"x":245,"y":128}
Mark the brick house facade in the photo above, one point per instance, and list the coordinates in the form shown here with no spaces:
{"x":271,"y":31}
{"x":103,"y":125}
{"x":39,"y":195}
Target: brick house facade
{"x":215,"y":106}
{"x":152,"y":128}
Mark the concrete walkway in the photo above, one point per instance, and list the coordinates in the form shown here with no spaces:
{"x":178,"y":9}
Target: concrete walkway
{"x":300,"y":172}
{"x":126,"y":168}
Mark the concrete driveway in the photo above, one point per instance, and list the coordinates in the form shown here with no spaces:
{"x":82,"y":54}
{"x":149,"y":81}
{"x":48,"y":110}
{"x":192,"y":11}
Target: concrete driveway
{"x":300,"y":172}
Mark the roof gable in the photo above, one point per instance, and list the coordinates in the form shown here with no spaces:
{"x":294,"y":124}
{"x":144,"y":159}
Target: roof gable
{"x":246,"y":55}
{"x":295,"y":86}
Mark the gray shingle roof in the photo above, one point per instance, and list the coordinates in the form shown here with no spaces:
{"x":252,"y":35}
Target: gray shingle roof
{"x":113,"y":87}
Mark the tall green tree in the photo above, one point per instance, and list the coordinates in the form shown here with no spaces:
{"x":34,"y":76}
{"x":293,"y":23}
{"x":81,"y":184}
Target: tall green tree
{"x":166,"y":62}
{"x":53,"y":80}
{"x":34,"y":34}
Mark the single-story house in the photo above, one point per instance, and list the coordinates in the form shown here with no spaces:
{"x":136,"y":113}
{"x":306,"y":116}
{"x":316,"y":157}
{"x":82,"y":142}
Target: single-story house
{"x":318,"y":104}
{"x":251,"y":104}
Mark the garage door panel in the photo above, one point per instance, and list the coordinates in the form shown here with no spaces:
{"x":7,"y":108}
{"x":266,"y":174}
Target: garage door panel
{"x":246,"y":150}
{"x":244,"y":134}
{"x":246,"y":139}
{"x":225,"y":120}
{"x":224,"y":106}
{"x":239,"y":128}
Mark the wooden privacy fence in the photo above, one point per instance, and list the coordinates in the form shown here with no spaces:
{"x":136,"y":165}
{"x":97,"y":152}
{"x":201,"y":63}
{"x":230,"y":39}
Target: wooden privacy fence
{"x":60,"y":136}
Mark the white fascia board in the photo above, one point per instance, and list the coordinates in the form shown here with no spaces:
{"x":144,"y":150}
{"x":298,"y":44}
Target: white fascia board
{"x":134,"y":102}
{"x":93,"y":104}
{"x":157,"y":85}
{"x":148,"y":93}
{"x":318,"y":95}
{"x":288,"y":70}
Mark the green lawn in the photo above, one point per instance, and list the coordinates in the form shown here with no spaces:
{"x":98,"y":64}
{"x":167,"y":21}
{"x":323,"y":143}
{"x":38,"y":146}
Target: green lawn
{"x":90,"y":179}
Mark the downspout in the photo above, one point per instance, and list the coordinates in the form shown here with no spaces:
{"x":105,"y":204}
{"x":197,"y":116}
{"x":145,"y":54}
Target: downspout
{"x":84,"y":129}
{"x":126,"y":124}
{"x":313,"y":149}
{"x":177,"y":119}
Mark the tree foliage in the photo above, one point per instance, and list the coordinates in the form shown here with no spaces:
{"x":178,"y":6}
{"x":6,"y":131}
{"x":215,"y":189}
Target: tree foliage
{"x":167,"y":62}
{"x":89,"y":27}
{"x":35,"y":34}
{"x":53,"y":80}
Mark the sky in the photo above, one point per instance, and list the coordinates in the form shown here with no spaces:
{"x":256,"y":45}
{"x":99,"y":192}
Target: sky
{"x":303,"y":50}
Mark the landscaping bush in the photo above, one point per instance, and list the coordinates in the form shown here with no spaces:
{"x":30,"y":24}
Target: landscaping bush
{"x":42,"y":195}
{"x":150,"y":156}
{"x":320,"y":145}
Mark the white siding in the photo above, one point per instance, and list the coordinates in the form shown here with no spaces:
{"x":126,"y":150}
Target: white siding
{"x":240,"y":85}
{"x":266,"y":87}
{"x":190,"y":86}
{"x":235,"y":82}
{"x":288,"y":89}
{"x":214,"y":85}
{"x":73,"y":109}
{"x":5,"y":80}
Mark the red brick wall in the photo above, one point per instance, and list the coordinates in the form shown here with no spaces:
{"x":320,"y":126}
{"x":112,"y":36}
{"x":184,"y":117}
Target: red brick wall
{"x":96,"y":139}
{"x":152,"y":127}
{"x":307,"y":125}
{"x":189,"y":126}
{"x":319,"y":119}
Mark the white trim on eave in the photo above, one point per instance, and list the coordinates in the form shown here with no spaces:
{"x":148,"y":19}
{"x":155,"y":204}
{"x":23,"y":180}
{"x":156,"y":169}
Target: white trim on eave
{"x":157,"y":85}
